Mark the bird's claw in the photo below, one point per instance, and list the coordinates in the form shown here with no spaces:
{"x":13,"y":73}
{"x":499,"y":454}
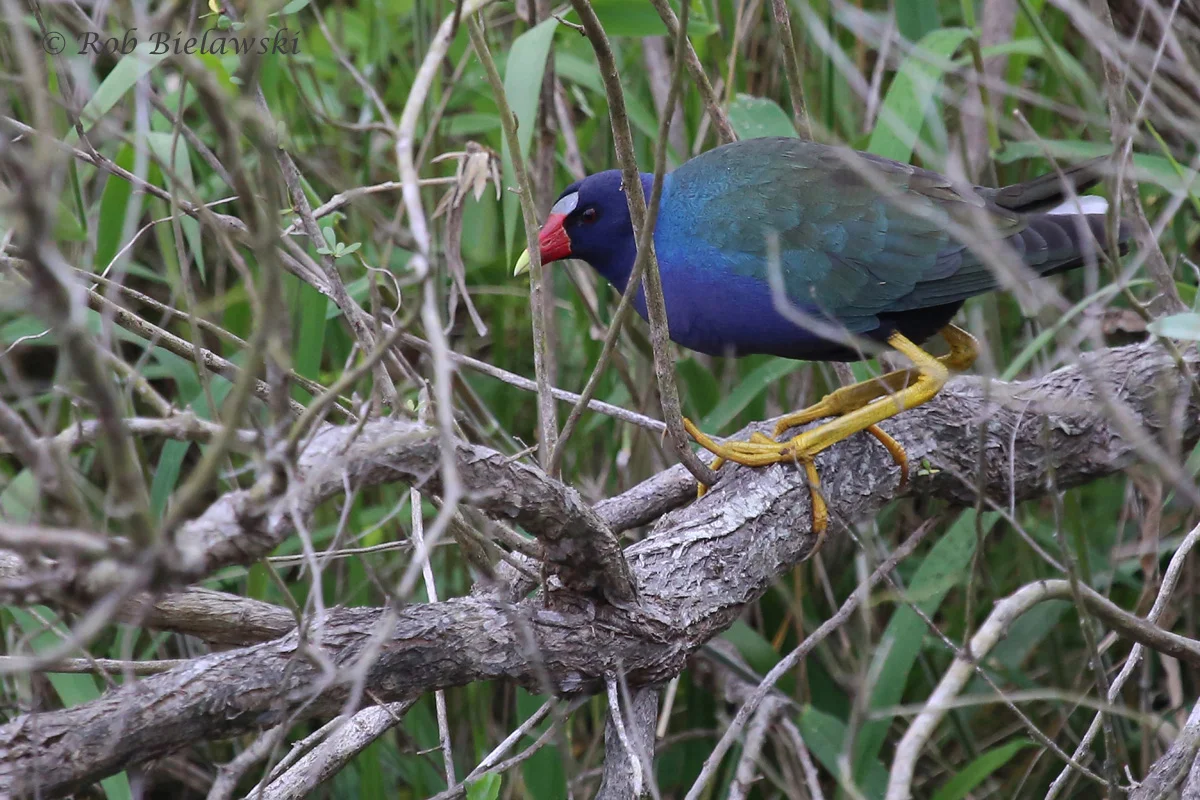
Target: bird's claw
{"x":761,"y":451}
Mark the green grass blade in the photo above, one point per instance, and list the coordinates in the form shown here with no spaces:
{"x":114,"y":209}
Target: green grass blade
{"x":522,"y":87}
{"x":1047,"y":336}
{"x":753,"y":117}
{"x":825,"y":735}
{"x":748,"y":388}
{"x":114,"y":203}
{"x":916,"y":18}
{"x":72,"y":689}
{"x":1146,"y":168}
{"x":120,"y":80}
{"x":636,"y":18}
{"x":485,"y":788}
{"x":181,"y":165}
{"x":978,"y":770}
{"x":943,"y":568}
{"x":912,"y":94}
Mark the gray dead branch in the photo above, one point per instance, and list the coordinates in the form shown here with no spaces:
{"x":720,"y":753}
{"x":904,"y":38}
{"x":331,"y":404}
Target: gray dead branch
{"x":694,"y":572}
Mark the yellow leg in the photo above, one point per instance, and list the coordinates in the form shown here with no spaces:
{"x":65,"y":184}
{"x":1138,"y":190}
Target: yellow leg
{"x":963,"y":352}
{"x":856,"y":413}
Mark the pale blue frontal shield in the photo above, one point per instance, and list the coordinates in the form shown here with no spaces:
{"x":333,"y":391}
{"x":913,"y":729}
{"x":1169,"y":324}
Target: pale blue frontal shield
{"x":566,"y":204}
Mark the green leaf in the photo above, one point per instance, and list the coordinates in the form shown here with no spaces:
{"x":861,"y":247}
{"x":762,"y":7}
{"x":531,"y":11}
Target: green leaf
{"x":485,"y":788}
{"x":912,"y":94}
{"x":581,"y":71}
{"x":916,"y":18}
{"x":1046,"y":336}
{"x":638,"y":18}
{"x":748,"y":388}
{"x":19,"y":498}
{"x":216,"y":66}
{"x":1177,"y":326}
{"x":944,"y":567}
{"x":1025,"y":636}
{"x":751,"y":645}
{"x":544,"y":772}
{"x":522,"y":86}
{"x":755,"y":117}
{"x":825,"y":734}
{"x":114,"y":202}
{"x":124,"y":75}
{"x":67,"y":226}
{"x":470,"y":123}
{"x":294,"y":6}
{"x":978,"y":770}
{"x":181,"y":165}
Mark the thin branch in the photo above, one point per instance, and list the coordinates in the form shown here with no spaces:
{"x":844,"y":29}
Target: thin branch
{"x":1169,"y":581}
{"x":1123,"y":125}
{"x":628,"y":744}
{"x":599,"y":406}
{"x":792,"y":659}
{"x":645,"y":253}
{"x":791,"y":63}
{"x":538,"y":310}
{"x":712,"y":104}
{"x":632,"y":182}
{"x":348,"y":739}
{"x":992,"y":631}
{"x":757,"y":521}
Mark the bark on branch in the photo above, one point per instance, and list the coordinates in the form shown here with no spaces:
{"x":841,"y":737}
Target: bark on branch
{"x":246,"y":525}
{"x":695,"y":572}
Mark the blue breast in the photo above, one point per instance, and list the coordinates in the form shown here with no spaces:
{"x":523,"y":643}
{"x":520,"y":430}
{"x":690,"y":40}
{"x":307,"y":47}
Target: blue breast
{"x":716,"y":309}
{"x":716,"y":305}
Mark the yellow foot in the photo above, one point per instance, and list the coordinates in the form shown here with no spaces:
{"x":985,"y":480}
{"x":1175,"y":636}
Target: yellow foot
{"x":963,"y":352}
{"x":760,"y":451}
{"x":858,"y":408}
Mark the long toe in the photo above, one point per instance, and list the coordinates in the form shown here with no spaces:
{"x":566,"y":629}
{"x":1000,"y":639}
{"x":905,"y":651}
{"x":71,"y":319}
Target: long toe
{"x":893,"y":447}
{"x":701,"y":489}
{"x":803,"y":417}
{"x":820,"y":510}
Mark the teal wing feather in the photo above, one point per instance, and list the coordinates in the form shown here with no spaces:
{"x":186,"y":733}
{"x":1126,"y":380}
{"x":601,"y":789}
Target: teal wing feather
{"x":853,"y":235}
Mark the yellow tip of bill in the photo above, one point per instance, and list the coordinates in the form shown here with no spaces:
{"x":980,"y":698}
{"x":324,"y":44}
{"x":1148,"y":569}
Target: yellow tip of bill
{"x":522,"y":264}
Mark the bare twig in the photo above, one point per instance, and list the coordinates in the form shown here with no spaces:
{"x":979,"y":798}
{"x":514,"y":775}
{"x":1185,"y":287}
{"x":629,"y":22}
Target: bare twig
{"x":711,"y":104}
{"x":791,"y":63}
{"x":628,"y":744}
{"x":1123,"y":125}
{"x":634,"y":193}
{"x":762,"y":527}
{"x":547,"y":423}
{"x":789,"y":662}
{"x":645,"y":254}
{"x":1166,"y":589}
{"x":348,"y":738}
{"x":992,"y":631}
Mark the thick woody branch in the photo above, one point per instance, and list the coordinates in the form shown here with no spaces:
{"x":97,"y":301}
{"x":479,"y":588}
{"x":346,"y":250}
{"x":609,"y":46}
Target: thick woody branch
{"x":246,"y":525}
{"x":1174,"y":766}
{"x":695,"y":572}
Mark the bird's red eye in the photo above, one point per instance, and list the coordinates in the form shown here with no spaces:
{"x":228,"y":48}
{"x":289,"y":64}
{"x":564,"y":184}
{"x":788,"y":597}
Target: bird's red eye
{"x":589,"y":216}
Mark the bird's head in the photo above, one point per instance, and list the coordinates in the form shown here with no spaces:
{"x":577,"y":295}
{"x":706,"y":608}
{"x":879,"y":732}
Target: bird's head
{"x":589,"y":221}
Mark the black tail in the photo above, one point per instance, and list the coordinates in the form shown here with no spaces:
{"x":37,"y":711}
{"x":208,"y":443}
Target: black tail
{"x":1054,"y":243}
{"x":1048,"y":191}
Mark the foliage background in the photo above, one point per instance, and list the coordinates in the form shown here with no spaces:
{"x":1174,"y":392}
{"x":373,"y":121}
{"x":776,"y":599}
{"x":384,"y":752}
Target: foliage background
{"x":865,"y":85}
